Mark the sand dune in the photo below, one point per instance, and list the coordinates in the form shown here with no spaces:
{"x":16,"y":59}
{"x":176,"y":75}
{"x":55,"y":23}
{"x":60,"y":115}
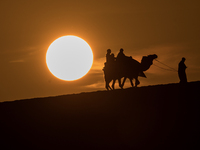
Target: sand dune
{"x":153,"y":117}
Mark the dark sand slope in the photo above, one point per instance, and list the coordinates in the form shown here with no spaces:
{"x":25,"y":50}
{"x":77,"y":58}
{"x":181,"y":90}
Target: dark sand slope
{"x":154,"y":117}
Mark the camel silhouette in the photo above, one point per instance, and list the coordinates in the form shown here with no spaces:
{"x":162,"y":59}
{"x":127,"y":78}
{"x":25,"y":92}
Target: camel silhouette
{"x":130,"y":69}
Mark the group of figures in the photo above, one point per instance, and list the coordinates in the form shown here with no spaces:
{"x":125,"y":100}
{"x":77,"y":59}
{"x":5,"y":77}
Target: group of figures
{"x":125,"y":67}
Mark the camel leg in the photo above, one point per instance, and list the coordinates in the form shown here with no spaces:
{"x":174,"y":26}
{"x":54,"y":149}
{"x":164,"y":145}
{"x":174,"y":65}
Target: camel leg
{"x":137,"y":82}
{"x":131,"y":80}
{"x":120,"y":84}
{"x":123,"y":82}
{"x":108,"y":86}
{"x":113,"y":84}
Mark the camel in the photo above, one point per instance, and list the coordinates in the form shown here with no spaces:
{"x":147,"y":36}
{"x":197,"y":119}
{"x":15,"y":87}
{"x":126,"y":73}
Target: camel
{"x":130,"y":69}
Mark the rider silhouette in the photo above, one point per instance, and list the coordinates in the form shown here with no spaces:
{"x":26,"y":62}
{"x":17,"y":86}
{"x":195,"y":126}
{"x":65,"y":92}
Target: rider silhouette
{"x":112,"y":58}
{"x":121,"y":56}
{"x":108,"y":56}
{"x":122,"y":60}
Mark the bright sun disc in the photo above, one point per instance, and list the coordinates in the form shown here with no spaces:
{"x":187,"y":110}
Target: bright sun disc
{"x":69,"y":58}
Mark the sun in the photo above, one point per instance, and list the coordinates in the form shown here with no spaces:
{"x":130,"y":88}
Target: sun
{"x":69,"y":58}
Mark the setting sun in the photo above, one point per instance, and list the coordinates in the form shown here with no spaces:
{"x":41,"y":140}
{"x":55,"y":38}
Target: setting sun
{"x":69,"y":58}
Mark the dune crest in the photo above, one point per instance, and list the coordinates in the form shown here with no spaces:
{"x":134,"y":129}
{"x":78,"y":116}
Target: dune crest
{"x":153,"y":117}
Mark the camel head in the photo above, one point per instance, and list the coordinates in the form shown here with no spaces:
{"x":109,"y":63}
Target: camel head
{"x":147,"y":61}
{"x":154,"y":56}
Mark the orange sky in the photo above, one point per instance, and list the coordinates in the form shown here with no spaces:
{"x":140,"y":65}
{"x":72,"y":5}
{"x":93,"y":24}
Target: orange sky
{"x":169,"y":29}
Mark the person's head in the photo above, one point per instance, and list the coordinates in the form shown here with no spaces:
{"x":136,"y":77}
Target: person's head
{"x":112,"y":55}
{"x":109,"y":51}
{"x":183,"y":59}
{"x":121,"y":50}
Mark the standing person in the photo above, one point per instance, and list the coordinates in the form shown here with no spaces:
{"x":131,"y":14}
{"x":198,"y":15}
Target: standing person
{"x":181,"y":71}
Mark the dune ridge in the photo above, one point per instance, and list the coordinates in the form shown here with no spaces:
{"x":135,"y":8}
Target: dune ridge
{"x":152,"y":117}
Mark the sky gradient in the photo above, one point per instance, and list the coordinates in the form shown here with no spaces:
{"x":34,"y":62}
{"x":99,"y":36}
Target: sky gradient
{"x":169,"y":29}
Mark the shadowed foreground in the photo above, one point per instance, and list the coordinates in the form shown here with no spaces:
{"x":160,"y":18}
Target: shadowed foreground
{"x":154,"y":117}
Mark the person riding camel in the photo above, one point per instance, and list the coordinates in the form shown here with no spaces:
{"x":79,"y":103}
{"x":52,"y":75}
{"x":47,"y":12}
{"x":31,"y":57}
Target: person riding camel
{"x":121,"y":56}
{"x":110,"y":58}
{"x":122,"y":60}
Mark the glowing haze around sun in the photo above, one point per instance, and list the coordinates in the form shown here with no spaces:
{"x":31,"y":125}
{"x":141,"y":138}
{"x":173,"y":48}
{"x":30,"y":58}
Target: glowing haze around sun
{"x":69,"y":58}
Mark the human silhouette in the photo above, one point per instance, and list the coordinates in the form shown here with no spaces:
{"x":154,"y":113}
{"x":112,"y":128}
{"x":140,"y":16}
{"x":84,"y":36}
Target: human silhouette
{"x":181,"y":71}
{"x":122,"y":60}
{"x":112,"y":58}
{"x":108,"y":56}
{"x":121,"y":56}
{"x":109,"y":66}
